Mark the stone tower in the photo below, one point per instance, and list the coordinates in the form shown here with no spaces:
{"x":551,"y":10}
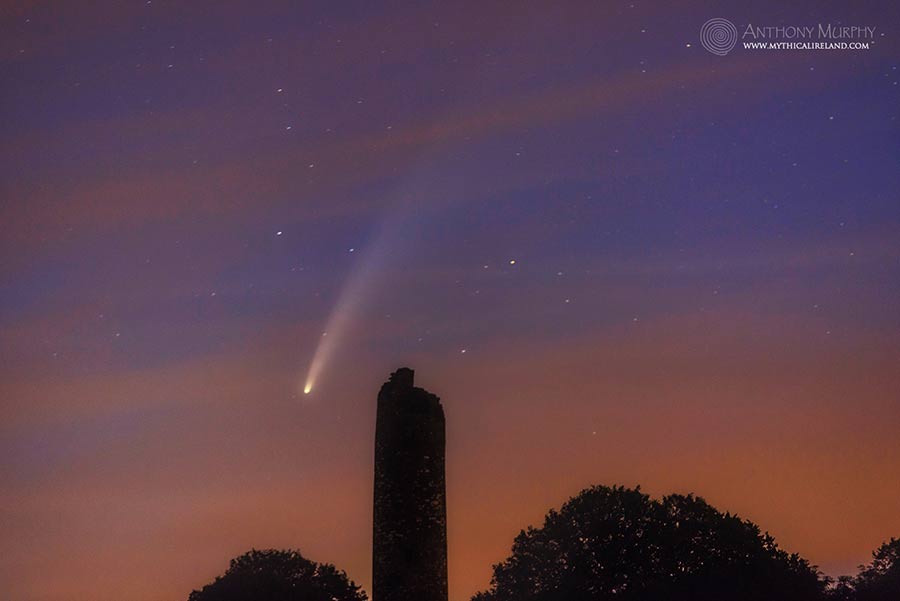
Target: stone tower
{"x":409,"y":548}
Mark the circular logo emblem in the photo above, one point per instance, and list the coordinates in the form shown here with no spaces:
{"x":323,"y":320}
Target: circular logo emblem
{"x":718,"y":36}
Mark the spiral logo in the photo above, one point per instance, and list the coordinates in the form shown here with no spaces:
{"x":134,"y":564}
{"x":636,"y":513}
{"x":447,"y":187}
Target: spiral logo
{"x":718,"y":36}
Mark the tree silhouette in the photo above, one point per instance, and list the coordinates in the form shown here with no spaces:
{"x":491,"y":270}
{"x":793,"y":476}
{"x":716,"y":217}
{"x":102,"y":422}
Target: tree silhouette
{"x":880,"y":580}
{"x":618,"y":543}
{"x":842,"y":589}
{"x":273,"y":575}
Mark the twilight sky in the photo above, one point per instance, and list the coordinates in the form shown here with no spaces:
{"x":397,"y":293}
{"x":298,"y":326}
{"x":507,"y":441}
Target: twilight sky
{"x":618,"y":258}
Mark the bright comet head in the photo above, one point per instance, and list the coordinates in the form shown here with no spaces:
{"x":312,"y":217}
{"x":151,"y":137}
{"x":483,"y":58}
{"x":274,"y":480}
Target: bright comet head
{"x":307,"y":389}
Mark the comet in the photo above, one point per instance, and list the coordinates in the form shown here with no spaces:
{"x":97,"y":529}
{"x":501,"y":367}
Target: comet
{"x":406,"y":215}
{"x":353,"y":296}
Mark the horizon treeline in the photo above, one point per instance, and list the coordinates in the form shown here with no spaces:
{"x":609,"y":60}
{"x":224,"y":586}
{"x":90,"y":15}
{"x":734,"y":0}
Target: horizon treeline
{"x":604,"y":543}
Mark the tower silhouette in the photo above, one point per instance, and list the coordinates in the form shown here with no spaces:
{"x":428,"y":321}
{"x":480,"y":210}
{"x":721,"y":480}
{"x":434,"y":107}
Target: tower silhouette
{"x":409,"y":547}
